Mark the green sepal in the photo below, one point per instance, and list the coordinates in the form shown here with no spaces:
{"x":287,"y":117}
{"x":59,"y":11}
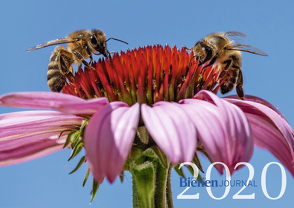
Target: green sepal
{"x":68,"y":139}
{"x":134,"y":155}
{"x":95,"y":187}
{"x":76,"y":138}
{"x":191,"y":170}
{"x":121,"y":176}
{"x":143,"y":134}
{"x":76,"y":150}
{"x":86,"y":177}
{"x":205,"y":153}
{"x":82,"y":160}
{"x":76,"y":126}
{"x":179,"y":171}
{"x":196,"y":161}
{"x":71,"y":130}
{"x":155,"y":152}
{"x":84,"y":123}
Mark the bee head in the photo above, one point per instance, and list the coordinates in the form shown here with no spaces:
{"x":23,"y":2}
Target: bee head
{"x":98,"y":42}
{"x":203,"y":51}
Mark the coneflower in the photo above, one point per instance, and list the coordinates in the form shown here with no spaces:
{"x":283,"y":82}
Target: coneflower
{"x":143,"y":112}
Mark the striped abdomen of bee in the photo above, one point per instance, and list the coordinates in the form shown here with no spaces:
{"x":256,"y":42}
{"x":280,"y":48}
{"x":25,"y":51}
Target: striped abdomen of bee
{"x":59,"y":68}
{"x":231,"y":76}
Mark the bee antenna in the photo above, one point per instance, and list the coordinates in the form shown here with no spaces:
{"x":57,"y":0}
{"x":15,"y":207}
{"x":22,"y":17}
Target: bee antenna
{"x":117,"y":40}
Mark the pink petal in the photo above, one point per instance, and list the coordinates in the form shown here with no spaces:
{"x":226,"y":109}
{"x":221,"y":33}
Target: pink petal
{"x":171,"y":129}
{"x":32,"y":151}
{"x":270,"y":130}
{"x":28,"y":135}
{"x":17,"y":141}
{"x":258,"y":100}
{"x":35,"y":121}
{"x":223,"y":129}
{"x":108,"y":139}
{"x":51,"y":100}
{"x":38,"y":100}
{"x":90,"y":106}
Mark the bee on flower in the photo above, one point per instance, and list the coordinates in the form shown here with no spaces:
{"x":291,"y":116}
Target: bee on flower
{"x":143,"y":111}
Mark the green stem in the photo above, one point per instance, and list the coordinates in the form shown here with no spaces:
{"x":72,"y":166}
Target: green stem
{"x":169,"y":198}
{"x":151,"y":186}
{"x":161,"y":182}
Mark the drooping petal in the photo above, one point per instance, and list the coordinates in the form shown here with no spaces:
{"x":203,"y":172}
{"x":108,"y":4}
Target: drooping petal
{"x":88,"y":107}
{"x":223,"y":129}
{"x":258,"y":100}
{"x":270,"y":130}
{"x":108,"y":139}
{"x":210,"y":131}
{"x":31,"y":151}
{"x":51,"y":100}
{"x":171,"y":129}
{"x":28,"y":135}
{"x":33,"y":121}
{"x":38,"y":100}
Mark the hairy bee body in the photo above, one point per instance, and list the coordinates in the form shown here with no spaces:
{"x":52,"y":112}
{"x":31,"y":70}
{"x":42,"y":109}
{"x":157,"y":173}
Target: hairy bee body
{"x":59,"y":68}
{"x":217,"y":47}
{"x":81,"y":45}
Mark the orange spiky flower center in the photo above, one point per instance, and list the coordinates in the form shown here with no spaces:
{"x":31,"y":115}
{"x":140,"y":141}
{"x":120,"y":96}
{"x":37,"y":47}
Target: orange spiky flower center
{"x":145,"y":75}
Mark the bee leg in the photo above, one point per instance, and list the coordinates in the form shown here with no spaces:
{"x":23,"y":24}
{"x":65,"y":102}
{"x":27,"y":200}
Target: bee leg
{"x":197,"y":58}
{"x":211,"y":62}
{"x":80,"y":57}
{"x":89,"y":54}
{"x":91,"y":60}
{"x":69,"y":75}
{"x":192,"y":58}
{"x":86,"y":63}
{"x":239,"y":88}
{"x":88,"y":51}
{"x":223,"y":73}
{"x":189,"y":49}
{"x":66,"y":68}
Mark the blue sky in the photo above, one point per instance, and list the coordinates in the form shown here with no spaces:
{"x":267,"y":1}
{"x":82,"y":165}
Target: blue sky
{"x":45,"y":182}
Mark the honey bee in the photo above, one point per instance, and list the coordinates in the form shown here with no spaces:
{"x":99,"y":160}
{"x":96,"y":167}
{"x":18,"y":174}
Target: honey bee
{"x":217,"y":47}
{"x":81,"y":45}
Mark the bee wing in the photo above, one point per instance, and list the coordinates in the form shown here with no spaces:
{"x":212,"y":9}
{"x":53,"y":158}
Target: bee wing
{"x":50,"y":43}
{"x":236,"y":36}
{"x":249,"y":49}
{"x":235,"y":33}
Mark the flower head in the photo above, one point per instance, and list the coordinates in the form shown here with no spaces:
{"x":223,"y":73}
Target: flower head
{"x":144,"y":75}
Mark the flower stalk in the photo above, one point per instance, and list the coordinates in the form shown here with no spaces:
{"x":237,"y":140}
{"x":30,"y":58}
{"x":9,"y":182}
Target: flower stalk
{"x":151,"y":186}
{"x":151,"y":174}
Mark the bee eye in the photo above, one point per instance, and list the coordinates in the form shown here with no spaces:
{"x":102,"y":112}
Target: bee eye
{"x":208,"y":53}
{"x":93,"y":40}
